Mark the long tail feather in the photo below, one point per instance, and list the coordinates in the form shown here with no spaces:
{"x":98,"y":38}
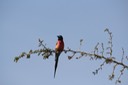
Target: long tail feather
{"x":56,"y":62}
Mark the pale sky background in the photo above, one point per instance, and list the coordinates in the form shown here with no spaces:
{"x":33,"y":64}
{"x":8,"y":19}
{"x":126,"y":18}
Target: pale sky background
{"x":22,"y":22}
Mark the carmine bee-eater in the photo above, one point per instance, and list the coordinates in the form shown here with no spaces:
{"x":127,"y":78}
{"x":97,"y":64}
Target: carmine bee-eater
{"x":58,"y":49}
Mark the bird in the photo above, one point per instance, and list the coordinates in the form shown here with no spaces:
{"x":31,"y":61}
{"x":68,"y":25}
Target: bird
{"x":58,"y":49}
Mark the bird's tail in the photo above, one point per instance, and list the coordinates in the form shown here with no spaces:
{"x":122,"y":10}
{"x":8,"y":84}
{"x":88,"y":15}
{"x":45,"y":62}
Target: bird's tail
{"x":56,"y":62}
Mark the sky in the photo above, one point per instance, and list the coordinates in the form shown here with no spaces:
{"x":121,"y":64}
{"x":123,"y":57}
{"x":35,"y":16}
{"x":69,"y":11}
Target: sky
{"x":23,"y":22}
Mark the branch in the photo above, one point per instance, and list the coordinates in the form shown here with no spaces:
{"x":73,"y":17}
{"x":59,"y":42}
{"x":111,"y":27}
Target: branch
{"x":46,"y":52}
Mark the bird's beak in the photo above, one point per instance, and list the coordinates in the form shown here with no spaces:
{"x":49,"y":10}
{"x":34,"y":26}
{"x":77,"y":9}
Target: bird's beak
{"x":58,"y":36}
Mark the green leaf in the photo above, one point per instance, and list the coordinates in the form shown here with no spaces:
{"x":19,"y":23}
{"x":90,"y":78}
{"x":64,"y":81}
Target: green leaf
{"x":16,"y":59}
{"x":28,"y":56}
{"x":23,"y":54}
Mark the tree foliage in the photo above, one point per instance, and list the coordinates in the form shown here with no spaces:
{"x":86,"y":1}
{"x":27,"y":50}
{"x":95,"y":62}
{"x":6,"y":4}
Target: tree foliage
{"x":98,"y":54}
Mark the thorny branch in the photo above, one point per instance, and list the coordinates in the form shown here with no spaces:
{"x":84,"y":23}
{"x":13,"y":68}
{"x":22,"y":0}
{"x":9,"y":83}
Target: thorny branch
{"x":47,"y":52}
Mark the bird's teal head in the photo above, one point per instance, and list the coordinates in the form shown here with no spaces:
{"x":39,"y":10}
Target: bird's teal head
{"x":60,"y":37}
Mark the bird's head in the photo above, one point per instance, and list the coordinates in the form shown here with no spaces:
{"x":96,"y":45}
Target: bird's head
{"x":60,"y":37}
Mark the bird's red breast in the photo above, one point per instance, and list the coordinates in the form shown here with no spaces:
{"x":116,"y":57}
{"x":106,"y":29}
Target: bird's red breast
{"x":59,"y":45}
